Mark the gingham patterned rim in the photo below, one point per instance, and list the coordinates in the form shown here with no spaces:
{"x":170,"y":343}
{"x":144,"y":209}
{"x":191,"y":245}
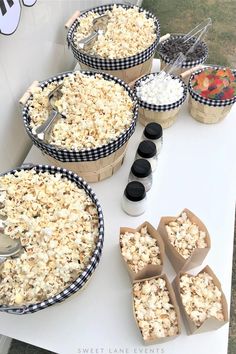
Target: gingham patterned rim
{"x":165,"y":107}
{"x":208,"y":101}
{"x":89,"y":154}
{"x":188,"y":63}
{"x":112,"y":64}
{"x":88,"y":271}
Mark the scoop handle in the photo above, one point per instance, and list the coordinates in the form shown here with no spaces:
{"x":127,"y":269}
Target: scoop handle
{"x":200,"y":29}
{"x":43,"y":129}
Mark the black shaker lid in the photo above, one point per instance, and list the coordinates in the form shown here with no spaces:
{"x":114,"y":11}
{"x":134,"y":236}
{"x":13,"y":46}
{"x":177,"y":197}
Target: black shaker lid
{"x":141,"y":168}
{"x":147,"y":149}
{"x":153,"y":131}
{"x":135,"y":191}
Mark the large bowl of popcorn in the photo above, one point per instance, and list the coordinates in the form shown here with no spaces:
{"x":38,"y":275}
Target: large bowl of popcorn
{"x":212,"y":93}
{"x":127,"y":47}
{"x":59,"y":221}
{"x":100,"y":117}
{"x":160,"y":97}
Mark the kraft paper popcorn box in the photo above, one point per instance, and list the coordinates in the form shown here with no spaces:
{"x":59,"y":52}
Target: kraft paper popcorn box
{"x":187,"y":256}
{"x":152,"y":251}
{"x":156,"y":328}
{"x":195,"y":318}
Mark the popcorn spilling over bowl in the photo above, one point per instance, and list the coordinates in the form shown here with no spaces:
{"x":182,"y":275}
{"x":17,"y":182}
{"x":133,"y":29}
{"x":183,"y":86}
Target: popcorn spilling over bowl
{"x":212,"y":93}
{"x":60,"y":224}
{"x":201,"y":300}
{"x":160,"y":97}
{"x":171,"y":47}
{"x":142,"y":250}
{"x":155,"y":310}
{"x":127,"y":46}
{"x":186,"y":240}
{"x":100,"y":116}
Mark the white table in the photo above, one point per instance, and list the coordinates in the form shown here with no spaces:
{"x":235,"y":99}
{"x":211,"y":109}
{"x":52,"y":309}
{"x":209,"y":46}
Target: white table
{"x":196,"y":170}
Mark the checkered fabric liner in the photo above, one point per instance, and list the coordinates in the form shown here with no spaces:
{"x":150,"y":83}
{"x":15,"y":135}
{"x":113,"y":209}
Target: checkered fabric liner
{"x":89,"y":154}
{"x":164,"y":107}
{"x":207,"y":101}
{"x":111,"y":64}
{"x":188,"y":63}
{"x":88,"y":271}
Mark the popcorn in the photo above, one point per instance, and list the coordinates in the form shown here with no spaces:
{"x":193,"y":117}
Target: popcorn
{"x":140,"y":249}
{"x":128,"y":32}
{"x":37,"y":208}
{"x":185,"y":236}
{"x":201,"y":298}
{"x":97,"y":111}
{"x":154,"y":311}
{"x":159,"y":90}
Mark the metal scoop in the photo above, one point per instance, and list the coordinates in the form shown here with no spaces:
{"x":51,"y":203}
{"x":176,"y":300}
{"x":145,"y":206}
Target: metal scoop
{"x":43,"y":130}
{"x":99,"y":28}
{"x":199,"y":30}
{"x":9,"y":247}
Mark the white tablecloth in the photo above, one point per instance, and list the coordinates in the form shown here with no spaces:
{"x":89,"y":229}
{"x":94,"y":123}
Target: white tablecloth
{"x":196,"y":170}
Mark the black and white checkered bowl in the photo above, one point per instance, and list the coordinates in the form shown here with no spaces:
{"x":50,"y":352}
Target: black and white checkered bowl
{"x":208,"y":101}
{"x":111,"y":64}
{"x":88,"y":154}
{"x":187,"y":63}
{"x":90,"y":268}
{"x":164,"y":107}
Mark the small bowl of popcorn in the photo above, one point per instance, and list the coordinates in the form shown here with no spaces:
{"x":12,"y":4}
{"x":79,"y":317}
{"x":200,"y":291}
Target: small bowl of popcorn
{"x":170,"y":48}
{"x":160,"y":97}
{"x":156,"y":311}
{"x":99,"y":116}
{"x":59,"y":221}
{"x":186,"y":240}
{"x":201,"y":300}
{"x":142,"y":250}
{"x":127,"y":47}
{"x":212,"y":93}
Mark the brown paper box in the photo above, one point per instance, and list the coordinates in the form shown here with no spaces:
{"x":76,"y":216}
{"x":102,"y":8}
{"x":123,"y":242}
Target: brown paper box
{"x":198,"y":255}
{"x":149,"y":270}
{"x":173,"y":302}
{"x":209,"y":324}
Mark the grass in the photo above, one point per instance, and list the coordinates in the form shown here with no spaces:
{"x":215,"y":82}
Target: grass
{"x":182,"y":15}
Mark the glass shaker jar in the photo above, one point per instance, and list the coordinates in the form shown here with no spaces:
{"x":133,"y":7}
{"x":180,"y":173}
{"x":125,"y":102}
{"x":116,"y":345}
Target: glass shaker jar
{"x":153,"y":132}
{"x":134,"y":201}
{"x":147,"y":150}
{"x":141,"y":171}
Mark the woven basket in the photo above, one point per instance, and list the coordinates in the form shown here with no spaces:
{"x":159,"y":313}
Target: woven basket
{"x":188,"y":64}
{"x":82,"y":280}
{"x":205,"y":110}
{"x":165,"y":115}
{"x":127,"y":69}
{"x":92,"y":164}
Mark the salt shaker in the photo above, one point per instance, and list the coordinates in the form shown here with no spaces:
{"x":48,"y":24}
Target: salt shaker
{"x":147,"y":150}
{"x":141,"y":171}
{"x":153,"y":132}
{"x":134,"y":201}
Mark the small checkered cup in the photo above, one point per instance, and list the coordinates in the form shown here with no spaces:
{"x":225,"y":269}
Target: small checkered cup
{"x":165,"y":114}
{"x":83,"y":278}
{"x":129,"y":68}
{"x":187,"y":64}
{"x":206,"y":110}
